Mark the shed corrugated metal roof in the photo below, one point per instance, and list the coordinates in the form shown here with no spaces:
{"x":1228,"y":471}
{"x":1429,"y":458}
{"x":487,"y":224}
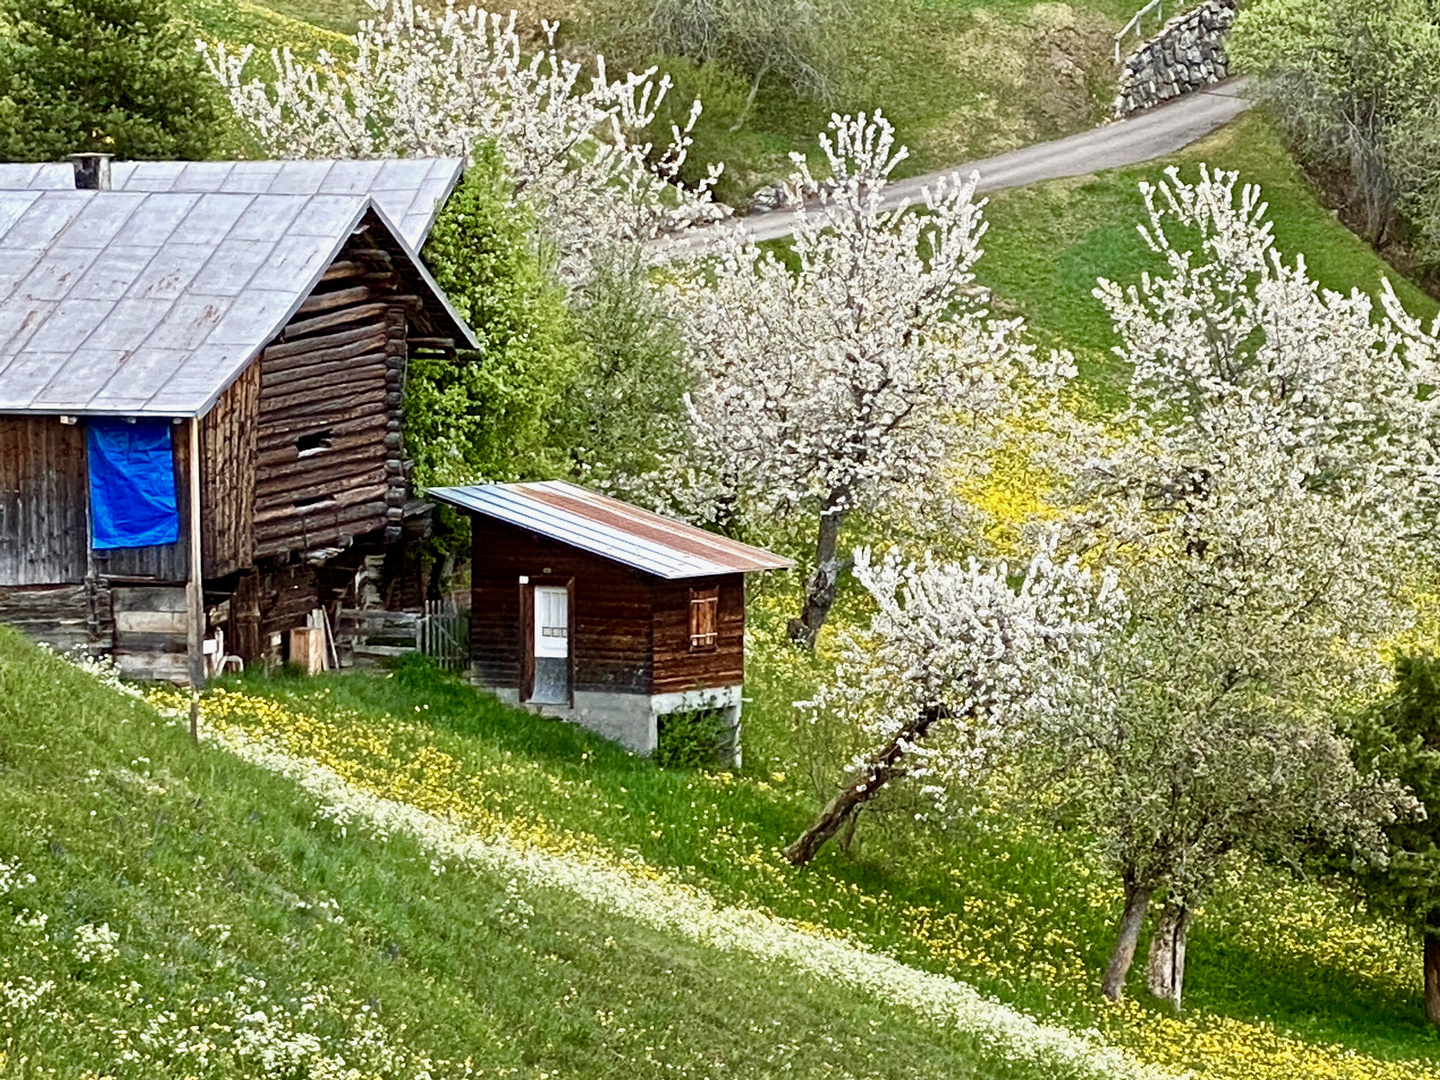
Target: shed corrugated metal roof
{"x":409,"y":190}
{"x":128,"y":303}
{"x":612,"y":529}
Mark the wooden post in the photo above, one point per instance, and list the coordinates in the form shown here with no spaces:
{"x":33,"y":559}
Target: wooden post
{"x":194,"y":588}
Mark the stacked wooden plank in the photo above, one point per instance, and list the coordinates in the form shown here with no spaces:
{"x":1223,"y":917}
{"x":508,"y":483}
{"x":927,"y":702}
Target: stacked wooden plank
{"x":328,"y":460}
{"x":150,"y":632}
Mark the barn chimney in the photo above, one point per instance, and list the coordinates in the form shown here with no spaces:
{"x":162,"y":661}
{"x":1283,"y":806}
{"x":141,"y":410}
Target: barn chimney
{"x":92,"y":171}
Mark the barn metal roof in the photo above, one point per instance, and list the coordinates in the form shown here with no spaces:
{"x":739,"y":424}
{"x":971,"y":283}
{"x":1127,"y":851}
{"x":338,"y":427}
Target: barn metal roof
{"x":128,"y":303}
{"x":410,"y":190}
{"x":612,"y":529}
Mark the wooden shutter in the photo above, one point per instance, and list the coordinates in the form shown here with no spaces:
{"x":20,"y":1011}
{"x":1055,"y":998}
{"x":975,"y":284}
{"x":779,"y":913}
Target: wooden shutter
{"x":704,"y":619}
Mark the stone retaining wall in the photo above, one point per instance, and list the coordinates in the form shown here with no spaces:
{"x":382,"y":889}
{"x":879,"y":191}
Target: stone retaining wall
{"x":1187,"y":54}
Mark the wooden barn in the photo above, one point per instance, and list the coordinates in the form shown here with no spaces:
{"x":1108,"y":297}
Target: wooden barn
{"x":201,"y":377}
{"x":591,"y":609}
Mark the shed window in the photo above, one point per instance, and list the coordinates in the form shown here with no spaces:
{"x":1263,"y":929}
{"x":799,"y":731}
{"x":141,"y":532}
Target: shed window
{"x":704,"y":619}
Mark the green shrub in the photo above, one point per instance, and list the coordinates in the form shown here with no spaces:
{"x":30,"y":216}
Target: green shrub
{"x":488,"y":416}
{"x":696,"y":739}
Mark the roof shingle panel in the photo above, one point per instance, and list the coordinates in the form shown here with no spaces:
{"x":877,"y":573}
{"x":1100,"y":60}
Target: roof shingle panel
{"x":409,"y":190}
{"x":137,"y":302}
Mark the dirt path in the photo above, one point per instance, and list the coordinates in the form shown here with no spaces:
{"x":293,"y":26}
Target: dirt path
{"x":1155,"y":133}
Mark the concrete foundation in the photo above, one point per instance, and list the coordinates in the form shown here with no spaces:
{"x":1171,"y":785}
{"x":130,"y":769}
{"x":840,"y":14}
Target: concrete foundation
{"x":632,"y":720}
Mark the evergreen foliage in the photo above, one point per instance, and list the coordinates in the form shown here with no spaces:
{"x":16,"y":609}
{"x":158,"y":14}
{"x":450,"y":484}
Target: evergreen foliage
{"x":116,"y":76}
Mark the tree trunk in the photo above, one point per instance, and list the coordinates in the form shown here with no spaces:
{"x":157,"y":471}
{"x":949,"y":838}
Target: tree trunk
{"x":1165,"y":972}
{"x":1432,"y":974}
{"x":820,"y":590}
{"x":1137,"y":899}
{"x":877,"y":772}
{"x":750,"y":101}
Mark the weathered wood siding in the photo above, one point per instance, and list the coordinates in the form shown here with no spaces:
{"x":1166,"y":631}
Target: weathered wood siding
{"x":150,"y":632}
{"x":44,"y":499}
{"x":228,"y":436}
{"x":611,"y":612}
{"x":69,"y":617}
{"x":45,"y":490}
{"x":328,"y":464}
{"x":677,"y":667}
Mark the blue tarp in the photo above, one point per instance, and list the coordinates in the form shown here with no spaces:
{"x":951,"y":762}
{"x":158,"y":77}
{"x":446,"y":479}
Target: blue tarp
{"x":132,"y":483}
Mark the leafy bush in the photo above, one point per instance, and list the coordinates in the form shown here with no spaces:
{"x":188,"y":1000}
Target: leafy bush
{"x":1402,"y":738}
{"x":692,"y":740}
{"x":488,"y":415}
{"x":1354,"y":83}
{"x":116,"y":76}
{"x":800,"y":41}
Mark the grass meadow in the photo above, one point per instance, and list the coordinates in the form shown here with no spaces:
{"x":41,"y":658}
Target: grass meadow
{"x":1049,"y":243}
{"x":171,"y":911}
{"x":1283,"y":975}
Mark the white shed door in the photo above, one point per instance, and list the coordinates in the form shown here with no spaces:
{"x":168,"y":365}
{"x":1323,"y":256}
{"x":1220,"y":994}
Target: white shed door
{"x":552,"y":622}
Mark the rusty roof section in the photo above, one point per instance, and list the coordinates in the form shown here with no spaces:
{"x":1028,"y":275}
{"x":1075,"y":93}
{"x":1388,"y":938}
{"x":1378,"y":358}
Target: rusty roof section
{"x":614,"y":530}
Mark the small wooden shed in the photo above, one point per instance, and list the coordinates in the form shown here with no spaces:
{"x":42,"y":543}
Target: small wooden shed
{"x":592,"y":609}
{"x":201,"y":377}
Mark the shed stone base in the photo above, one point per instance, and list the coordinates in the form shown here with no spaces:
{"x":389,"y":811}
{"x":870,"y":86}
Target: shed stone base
{"x":632,"y":720}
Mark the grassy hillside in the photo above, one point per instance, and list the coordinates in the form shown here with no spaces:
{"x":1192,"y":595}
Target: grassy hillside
{"x":194,"y":915}
{"x":169,"y":910}
{"x":1049,"y":243}
{"x":960,"y":78}
{"x":240,"y":23}
{"x":1285,"y":979}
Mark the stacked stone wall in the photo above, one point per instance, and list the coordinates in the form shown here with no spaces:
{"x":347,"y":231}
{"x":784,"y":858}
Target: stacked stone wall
{"x":1187,"y":55}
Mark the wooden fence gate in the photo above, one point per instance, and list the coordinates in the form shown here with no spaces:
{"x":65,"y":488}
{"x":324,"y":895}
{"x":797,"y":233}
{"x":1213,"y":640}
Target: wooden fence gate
{"x":444,"y":636}
{"x":374,"y":636}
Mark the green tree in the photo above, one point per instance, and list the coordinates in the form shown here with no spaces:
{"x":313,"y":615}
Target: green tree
{"x":626,"y":405}
{"x":117,"y":76}
{"x":489,"y":415}
{"x":1402,"y":739}
{"x":1354,"y":83}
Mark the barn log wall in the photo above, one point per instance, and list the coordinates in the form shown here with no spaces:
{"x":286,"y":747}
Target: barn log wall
{"x":68,"y":617}
{"x":329,"y":465}
{"x":44,"y":493}
{"x":677,"y":668}
{"x":611,"y":614}
{"x":302,"y":468}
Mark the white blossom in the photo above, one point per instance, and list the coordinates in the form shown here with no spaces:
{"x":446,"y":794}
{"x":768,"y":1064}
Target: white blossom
{"x":436,"y":84}
{"x":860,"y":380}
{"x":1264,"y":501}
{"x":95,"y":944}
{"x":959,"y":661}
